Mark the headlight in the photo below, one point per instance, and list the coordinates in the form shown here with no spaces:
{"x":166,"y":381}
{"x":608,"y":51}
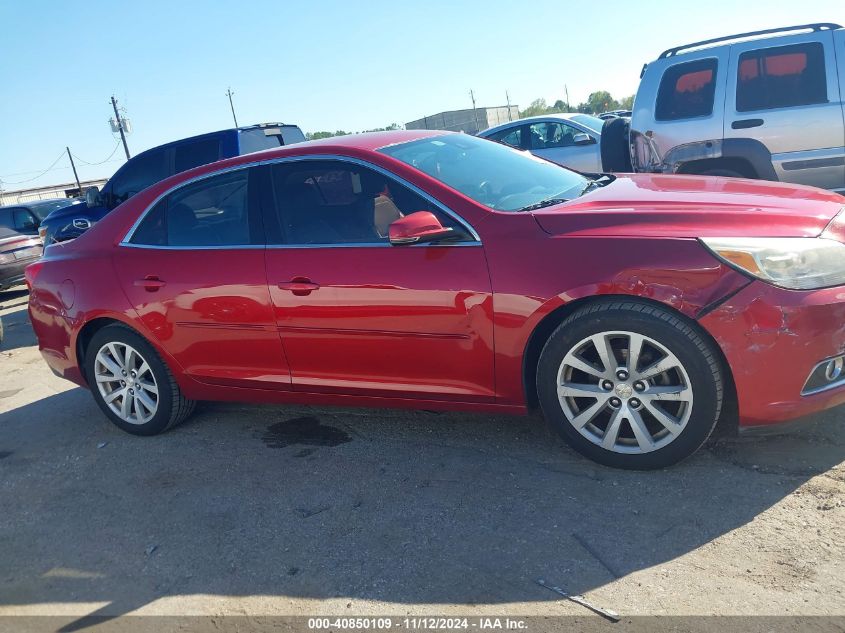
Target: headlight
{"x":801,"y":263}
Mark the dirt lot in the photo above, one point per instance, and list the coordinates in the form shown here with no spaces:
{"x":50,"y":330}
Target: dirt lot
{"x":298,"y":510}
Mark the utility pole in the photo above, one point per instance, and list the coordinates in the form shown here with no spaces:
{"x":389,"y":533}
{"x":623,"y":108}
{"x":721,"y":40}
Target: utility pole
{"x":508,"y":98}
{"x":566,"y":91}
{"x":229,"y":94}
{"x":474,"y":111}
{"x":73,"y":165}
{"x":119,"y":126}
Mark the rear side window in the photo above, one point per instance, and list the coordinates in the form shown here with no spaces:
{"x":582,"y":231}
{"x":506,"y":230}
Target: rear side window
{"x":210,"y":212}
{"x":781,"y":77}
{"x":192,"y":155}
{"x":257,"y":139}
{"x":686,"y":90}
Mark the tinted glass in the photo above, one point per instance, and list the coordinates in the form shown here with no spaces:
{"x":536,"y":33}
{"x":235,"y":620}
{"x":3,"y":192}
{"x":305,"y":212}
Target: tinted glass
{"x":258,"y":139}
{"x":781,"y":77}
{"x":23,"y":220}
{"x":686,"y":90}
{"x":209,"y":212}
{"x":334,"y":202}
{"x":490,"y":173}
{"x":195,"y":154}
{"x":138,"y":174}
{"x":510,"y":136}
{"x":550,"y":135}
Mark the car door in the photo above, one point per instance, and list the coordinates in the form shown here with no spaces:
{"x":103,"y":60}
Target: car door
{"x":360,"y":316}
{"x":565,"y":145}
{"x":785,"y":94}
{"x":193,"y":271}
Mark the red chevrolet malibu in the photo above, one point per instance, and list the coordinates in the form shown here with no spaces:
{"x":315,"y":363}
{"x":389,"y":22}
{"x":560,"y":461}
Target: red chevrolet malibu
{"x":444,"y":271}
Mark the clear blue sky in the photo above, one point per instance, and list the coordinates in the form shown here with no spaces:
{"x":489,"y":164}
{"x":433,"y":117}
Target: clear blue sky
{"x":323,"y":64}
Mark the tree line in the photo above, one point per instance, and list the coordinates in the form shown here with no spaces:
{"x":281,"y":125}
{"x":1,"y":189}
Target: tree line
{"x":598,"y":102}
{"x":313,"y":136}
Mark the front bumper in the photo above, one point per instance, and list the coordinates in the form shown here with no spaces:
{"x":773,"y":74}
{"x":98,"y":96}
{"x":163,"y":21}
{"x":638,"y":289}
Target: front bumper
{"x":772,"y":338}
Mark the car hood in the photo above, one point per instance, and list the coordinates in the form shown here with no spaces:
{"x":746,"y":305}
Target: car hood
{"x":694,"y":206}
{"x":71,"y":209}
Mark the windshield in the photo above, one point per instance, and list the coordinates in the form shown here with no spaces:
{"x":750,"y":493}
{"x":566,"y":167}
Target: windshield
{"x":592,"y":122}
{"x":43,"y":209}
{"x":490,"y":173}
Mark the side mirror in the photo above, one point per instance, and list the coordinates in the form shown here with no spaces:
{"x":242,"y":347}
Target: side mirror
{"x":416,"y":228}
{"x":583,"y":139}
{"x":92,"y":197}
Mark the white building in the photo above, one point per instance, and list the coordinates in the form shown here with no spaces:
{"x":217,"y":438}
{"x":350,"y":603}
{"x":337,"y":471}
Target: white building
{"x":65,"y":190}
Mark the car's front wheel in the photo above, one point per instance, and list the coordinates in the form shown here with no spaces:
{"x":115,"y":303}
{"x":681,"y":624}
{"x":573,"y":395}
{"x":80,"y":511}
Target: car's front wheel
{"x":630,"y":385}
{"x":131,"y":383}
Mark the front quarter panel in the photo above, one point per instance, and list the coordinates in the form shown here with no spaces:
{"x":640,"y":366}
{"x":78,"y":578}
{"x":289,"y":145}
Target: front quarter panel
{"x":535,"y":274}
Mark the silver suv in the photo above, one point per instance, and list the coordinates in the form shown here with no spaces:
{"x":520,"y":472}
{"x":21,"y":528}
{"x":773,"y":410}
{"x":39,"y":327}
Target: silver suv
{"x":763,"y":105}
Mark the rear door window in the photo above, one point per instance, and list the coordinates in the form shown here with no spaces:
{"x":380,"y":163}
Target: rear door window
{"x":781,"y":77}
{"x":687,"y":90}
{"x":192,"y":155}
{"x":213,"y":211}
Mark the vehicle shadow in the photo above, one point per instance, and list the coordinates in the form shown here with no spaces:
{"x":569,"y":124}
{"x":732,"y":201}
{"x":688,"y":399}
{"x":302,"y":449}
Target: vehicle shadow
{"x":16,"y":328}
{"x":411,"y":508}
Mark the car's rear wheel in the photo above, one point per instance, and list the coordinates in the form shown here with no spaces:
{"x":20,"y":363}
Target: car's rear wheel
{"x":131,"y":383}
{"x":630,"y":385}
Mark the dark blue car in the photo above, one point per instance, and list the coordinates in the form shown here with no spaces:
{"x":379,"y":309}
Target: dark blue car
{"x":156,"y":164}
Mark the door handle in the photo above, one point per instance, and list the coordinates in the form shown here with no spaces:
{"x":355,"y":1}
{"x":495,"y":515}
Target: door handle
{"x":299,"y":286}
{"x":150,"y":283}
{"x":742,"y":124}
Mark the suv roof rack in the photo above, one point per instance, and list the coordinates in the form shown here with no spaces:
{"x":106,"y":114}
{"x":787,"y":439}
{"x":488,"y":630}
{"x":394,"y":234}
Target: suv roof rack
{"x":820,"y":26}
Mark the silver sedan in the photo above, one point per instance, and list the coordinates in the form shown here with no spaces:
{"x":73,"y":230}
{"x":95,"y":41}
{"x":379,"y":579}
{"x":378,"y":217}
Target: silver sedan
{"x":571,"y":139}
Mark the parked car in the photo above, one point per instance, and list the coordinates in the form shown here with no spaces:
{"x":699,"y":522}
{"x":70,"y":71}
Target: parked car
{"x":26,"y":218}
{"x":158,"y":163}
{"x":442,"y":271}
{"x":570,"y":139}
{"x":761,"y":105}
{"x":612,"y":114}
{"x":17,"y":251}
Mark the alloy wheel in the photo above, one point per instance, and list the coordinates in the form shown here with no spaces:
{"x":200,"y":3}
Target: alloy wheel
{"x":126,"y":383}
{"x":625,"y":392}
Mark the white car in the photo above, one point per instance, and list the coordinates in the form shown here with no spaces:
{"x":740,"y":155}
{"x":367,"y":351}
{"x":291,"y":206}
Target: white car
{"x":570,"y":139}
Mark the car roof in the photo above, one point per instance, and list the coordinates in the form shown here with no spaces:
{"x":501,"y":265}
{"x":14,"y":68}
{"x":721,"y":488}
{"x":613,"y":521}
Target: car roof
{"x":727,"y":40}
{"x":351,"y":145}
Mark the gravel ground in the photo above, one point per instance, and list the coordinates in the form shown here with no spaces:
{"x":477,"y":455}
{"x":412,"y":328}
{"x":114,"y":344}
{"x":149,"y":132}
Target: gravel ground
{"x":256,"y":510}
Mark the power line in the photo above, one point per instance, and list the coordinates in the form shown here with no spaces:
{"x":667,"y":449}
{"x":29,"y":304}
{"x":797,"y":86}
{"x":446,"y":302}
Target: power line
{"x":20,"y":182}
{"x":107,"y":159}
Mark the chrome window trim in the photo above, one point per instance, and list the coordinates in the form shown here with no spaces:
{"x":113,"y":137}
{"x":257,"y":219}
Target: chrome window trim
{"x":291,"y":159}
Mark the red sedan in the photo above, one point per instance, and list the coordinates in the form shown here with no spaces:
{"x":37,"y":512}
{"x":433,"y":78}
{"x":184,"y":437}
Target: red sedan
{"x":443,"y":271}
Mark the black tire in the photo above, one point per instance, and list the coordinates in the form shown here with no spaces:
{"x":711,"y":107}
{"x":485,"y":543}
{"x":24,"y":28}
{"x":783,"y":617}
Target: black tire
{"x":173,"y":408}
{"x":615,"y":152}
{"x":696,"y":355}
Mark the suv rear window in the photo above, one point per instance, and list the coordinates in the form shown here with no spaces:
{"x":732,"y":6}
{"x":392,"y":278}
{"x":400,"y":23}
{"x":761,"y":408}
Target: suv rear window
{"x":686,"y":90}
{"x":781,"y":77}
